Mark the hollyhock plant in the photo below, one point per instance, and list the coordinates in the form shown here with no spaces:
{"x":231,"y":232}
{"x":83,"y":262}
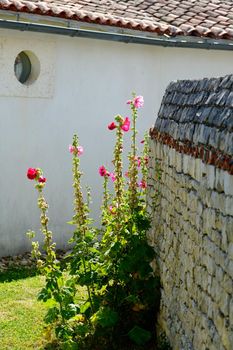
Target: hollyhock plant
{"x":32,"y":173}
{"x":111,"y":261}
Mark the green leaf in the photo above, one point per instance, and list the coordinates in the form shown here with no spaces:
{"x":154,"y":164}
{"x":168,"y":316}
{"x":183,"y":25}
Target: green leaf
{"x":70,"y":345}
{"x":139,"y":335}
{"x":44,"y":295}
{"x":82,"y":329}
{"x":70,"y":311}
{"x":72,"y":222}
{"x":52,"y":315}
{"x":63,"y":332}
{"x":85,"y":307}
{"x":105,"y":317}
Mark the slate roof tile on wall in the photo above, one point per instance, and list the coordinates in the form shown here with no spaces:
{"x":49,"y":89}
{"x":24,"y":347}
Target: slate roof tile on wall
{"x":202,"y":18}
{"x":199,"y":112}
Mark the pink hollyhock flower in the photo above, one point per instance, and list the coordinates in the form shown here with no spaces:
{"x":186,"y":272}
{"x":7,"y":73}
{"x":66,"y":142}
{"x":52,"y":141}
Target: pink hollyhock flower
{"x":113,"y":176}
{"x":102,"y":171}
{"x":138,"y":102}
{"x":126,"y":174}
{"x":128,"y":102}
{"x":126,"y":125}
{"x":142,"y":141}
{"x":42,"y":179}
{"x":32,"y":173}
{"x":112,"y":126}
{"x":72,"y":149}
{"x":143,"y":184}
{"x":138,"y":160}
{"x":80,"y":150}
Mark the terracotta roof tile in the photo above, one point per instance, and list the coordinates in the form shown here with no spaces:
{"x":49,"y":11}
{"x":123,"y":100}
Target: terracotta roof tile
{"x":208,"y":18}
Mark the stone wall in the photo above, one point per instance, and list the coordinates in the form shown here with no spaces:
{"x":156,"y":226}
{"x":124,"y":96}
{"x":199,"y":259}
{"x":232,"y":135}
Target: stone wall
{"x":193,"y":223}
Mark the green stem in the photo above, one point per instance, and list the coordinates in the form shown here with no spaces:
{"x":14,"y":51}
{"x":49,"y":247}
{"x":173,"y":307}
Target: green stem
{"x":118,"y":185}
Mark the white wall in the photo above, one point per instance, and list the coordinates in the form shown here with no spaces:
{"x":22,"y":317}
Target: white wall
{"x":82,"y":85}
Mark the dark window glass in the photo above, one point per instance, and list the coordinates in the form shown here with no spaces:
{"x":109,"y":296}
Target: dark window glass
{"x":22,"y":67}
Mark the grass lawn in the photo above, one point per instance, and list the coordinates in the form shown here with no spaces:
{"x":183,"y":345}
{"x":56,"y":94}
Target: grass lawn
{"x":21,"y":315}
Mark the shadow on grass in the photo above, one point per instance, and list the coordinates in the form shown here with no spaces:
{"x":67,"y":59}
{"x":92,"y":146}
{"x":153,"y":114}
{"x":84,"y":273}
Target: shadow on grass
{"x":15,"y":273}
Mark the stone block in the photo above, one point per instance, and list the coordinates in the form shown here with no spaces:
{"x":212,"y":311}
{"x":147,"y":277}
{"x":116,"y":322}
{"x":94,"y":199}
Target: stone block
{"x":208,"y":219}
{"x":192,"y":167}
{"x":224,"y":241}
{"x":210,"y":248}
{"x":156,"y":150}
{"x":193,"y":218}
{"x":221,"y":258}
{"x":229,"y":269}
{"x":223,"y":302}
{"x":219,"y":202}
{"x":218,"y":320}
{"x":216,"y":237}
{"x":182,"y":193}
{"x":226,"y":337}
{"x":224,"y":137}
{"x":230,"y":251}
{"x":231,"y":313}
{"x":219,"y":180}
{"x":229,"y":205}
{"x":214,"y":138}
{"x":172,"y":157}
{"x":186,"y":164}
{"x":229,"y":142}
{"x":227,"y":284}
{"x":179,"y":162}
{"x":209,"y":263}
{"x":228,"y":183}
{"x":204,"y":280}
{"x":219,"y":274}
{"x":166,"y":155}
{"x":192,"y":201}
{"x":219,"y":221}
{"x":205,"y":196}
{"x":210,"y":176}
{"x":197,"y":339}
{"x":214,"y":289}
{"x":198,"y":166}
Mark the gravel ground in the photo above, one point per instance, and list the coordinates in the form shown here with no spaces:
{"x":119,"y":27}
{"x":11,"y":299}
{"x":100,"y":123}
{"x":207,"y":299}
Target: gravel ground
{"x":23,"y":260}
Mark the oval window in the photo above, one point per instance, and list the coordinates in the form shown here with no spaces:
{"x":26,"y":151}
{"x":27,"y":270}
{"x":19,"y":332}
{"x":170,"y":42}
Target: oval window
{"x":22,"y":67}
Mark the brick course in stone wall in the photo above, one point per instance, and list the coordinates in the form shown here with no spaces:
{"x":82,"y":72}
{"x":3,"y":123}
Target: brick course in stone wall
{"x":193,"y":236}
